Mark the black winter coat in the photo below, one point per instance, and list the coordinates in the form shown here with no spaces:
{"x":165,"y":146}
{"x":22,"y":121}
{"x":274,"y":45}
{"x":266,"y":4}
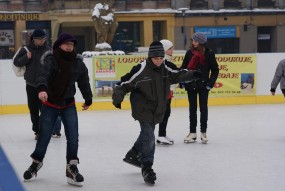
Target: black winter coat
{"x":149,"y":86}
{"x":210,"y":70}
{"x":33,"y":64}
{"x":79,"y":74}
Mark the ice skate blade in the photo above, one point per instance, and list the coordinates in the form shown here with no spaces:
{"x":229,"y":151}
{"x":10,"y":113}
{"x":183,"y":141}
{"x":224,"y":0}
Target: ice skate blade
{"x":189,"y":141}
{"x":128,"y":162}
{"x":150,"y":183}
{"x":73,"y":183}
{"x":29,"y":180}
{"x":163,"y":143}
{"x":204,"y":142}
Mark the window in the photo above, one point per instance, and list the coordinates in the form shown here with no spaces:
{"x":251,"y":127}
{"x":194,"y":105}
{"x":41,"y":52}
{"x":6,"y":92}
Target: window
{"x":265,"y":4}
{"x":232,"y":4}
{"x":127,"y":37}
{"x":224,"y":45}
{"x":198,"y":4}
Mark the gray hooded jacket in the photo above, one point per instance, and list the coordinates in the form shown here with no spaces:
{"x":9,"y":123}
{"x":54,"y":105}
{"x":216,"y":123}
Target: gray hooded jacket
{"x":279,"y":77}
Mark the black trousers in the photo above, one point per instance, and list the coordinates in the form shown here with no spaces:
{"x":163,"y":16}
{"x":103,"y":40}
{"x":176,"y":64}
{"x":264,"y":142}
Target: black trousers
{"x":163,"y":124}
{"x":34,"y":104}
{"x":193,"y":95}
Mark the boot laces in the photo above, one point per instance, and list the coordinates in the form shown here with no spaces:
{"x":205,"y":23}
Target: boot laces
{"x":74,"y":169}
{"x":33,"y":169}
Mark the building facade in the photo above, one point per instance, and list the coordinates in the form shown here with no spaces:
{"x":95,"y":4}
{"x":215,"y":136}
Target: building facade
{"x":232,"y":26}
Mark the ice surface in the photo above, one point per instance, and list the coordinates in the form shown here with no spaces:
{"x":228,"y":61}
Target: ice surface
{"x":245,"y":152}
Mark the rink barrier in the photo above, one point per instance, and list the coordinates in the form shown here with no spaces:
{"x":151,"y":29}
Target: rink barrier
{"x":176,"y":102}
{"x":13,"y":98}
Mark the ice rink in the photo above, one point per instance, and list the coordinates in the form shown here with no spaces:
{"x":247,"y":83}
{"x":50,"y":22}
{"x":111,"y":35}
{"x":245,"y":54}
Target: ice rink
{"x":246,"y":152}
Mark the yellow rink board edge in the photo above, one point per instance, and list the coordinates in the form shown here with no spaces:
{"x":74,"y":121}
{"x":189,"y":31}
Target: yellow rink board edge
{"x":176,"y":102}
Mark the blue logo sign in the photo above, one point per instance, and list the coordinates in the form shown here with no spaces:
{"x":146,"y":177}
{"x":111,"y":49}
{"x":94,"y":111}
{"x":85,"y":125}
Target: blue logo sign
{"x":218,"y":32}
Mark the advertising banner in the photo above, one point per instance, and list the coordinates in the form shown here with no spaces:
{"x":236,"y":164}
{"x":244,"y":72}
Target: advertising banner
{"x":236,"y":77}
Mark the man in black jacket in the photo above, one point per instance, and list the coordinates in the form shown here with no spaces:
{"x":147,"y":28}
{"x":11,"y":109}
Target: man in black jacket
{"x":30,"y":58}
{"x":149,"y":84}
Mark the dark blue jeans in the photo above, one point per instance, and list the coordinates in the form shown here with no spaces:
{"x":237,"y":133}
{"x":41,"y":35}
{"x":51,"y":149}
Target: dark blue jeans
{"x":145,"y":144}
{"x":47,"y":120}
{"x":203,"y":103}
{"x":57,"y":125}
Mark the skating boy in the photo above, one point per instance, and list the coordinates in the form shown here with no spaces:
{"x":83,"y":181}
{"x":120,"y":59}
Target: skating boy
{"x":149,"y":84}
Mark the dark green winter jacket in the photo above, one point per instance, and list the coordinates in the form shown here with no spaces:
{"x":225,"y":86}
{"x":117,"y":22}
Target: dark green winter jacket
{"x":149,"y":86}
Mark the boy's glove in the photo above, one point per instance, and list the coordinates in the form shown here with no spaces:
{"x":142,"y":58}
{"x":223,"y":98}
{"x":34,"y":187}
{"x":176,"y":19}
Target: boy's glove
{"x":117,"y":105}
{"x":197,"y":73}
{"x":117,"y":97}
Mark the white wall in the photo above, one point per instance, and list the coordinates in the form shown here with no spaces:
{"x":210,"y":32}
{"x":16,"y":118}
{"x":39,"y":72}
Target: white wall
{"x":265,"y":69}
{"x":12,"y":88}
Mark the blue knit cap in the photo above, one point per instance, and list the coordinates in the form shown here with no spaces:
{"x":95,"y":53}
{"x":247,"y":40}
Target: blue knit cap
{"x":38,"y":34}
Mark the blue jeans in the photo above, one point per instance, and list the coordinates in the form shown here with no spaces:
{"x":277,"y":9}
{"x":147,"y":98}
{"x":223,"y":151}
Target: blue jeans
{"x":145,"y":144}
{"x":57,"y":125}
{"x":48,"y":117}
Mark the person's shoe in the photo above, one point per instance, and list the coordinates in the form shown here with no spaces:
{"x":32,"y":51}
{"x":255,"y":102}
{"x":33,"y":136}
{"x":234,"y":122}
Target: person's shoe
{"x":191,"y":138}
{"x":163,"y":141}
{"x":73,"y":175}
{"x":36,"y":136}
{"x":56,"y":134}
{"x":32,"y":170}
{"x":133,"y":158}
{"x":169,"y":139}
{"x":204,"y":138}
{"x":149,"y":175}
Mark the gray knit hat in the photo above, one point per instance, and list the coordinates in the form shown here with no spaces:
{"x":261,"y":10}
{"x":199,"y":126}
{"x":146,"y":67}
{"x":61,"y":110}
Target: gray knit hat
{"x":156,"y":50}
{"x":199,"y":37}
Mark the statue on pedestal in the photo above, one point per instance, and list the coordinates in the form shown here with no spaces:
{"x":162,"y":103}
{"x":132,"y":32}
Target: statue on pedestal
{"x":105,"y":24}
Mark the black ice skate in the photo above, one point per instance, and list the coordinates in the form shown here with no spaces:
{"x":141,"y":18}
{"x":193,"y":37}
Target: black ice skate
{"x":32,"y":170}
{"x":149,"y":175}
{"x":73,"y":175}
{"x":133,"y":158}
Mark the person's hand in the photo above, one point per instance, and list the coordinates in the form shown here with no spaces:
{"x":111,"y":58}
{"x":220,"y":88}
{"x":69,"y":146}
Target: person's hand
{"x":43,"y":96}
{"x":85,"y":107}
{"x":117,"y":105}
{"x":272,"y":91}
{"x":117,"y":97}
{"x":29,"y":55}
{"x":208,"y":88}
{"x":197,"y":73}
